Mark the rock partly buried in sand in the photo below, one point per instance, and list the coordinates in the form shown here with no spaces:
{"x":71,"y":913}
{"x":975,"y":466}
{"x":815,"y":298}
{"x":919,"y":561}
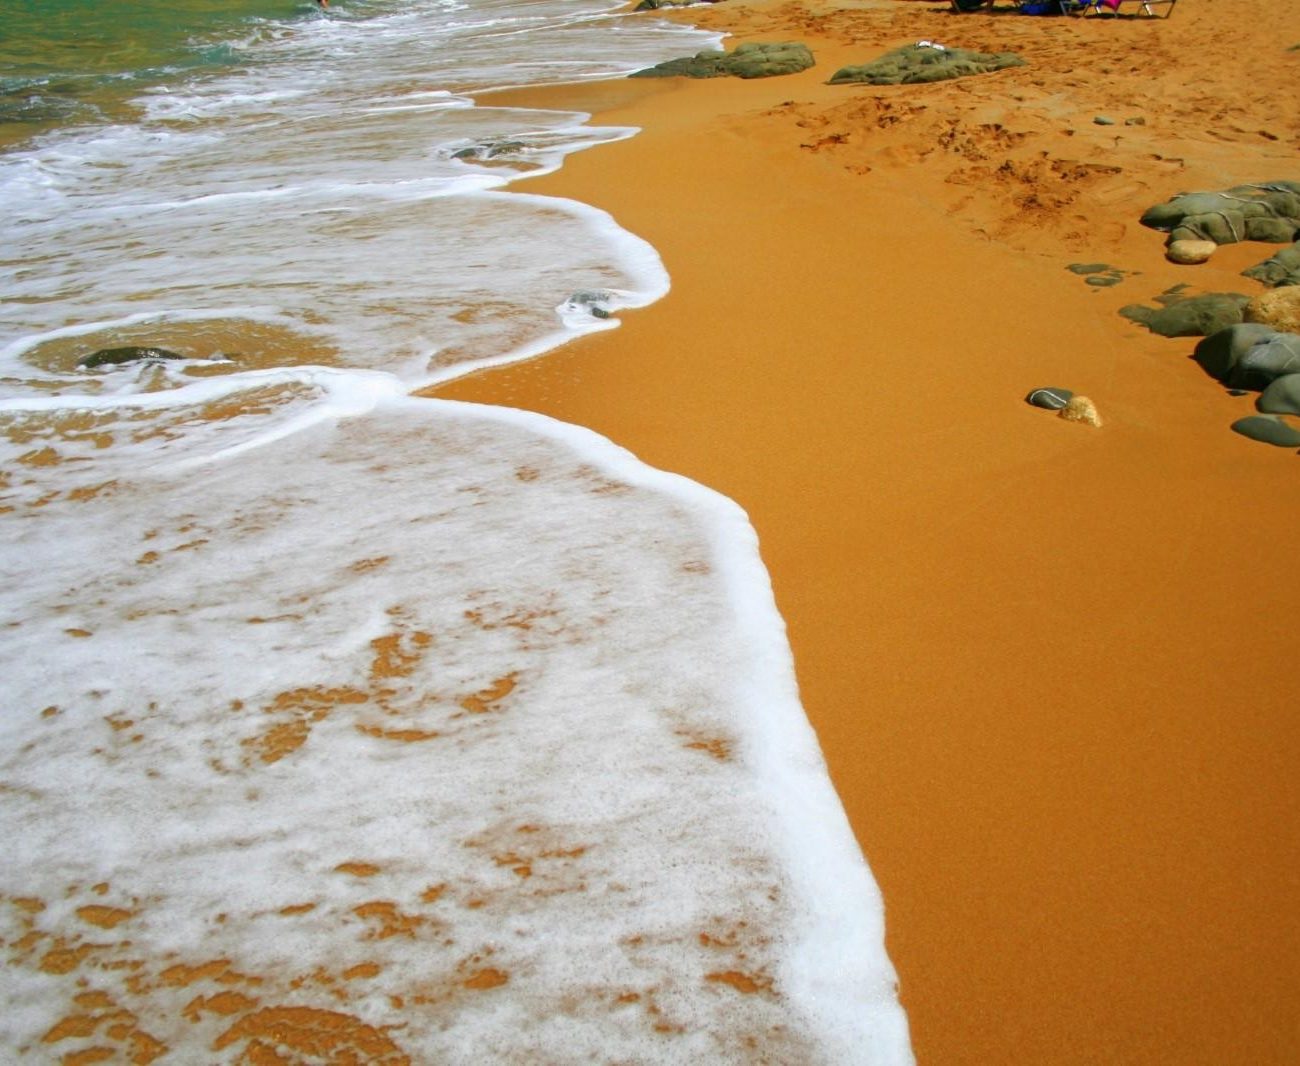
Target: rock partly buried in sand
{"x":915,"y":63}
{"x":1080,"y":409}
{"x":118,"y":356}
{"x":1188,"y":253}
{"x":1050,"y":399}
{"x":753,"y":60}
{"x":1279,"y":269}
{"x":1190,"y":316}
{"x":1268,"y":429}
{"x":1279,"y":308}
{"x":1099,"y":275}
{"x":1268,"y":211}
{"x":1282,"y":397}
{"x":1248,"y":355}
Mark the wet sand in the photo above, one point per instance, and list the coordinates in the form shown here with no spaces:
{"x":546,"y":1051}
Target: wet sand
{"x":1051,"y":666}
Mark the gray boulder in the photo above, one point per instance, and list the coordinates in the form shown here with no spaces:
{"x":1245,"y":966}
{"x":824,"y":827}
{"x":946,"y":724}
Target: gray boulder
{"x":1190,"y":316}
{"x":753,"y":60}
{"x":915,"y":63}
{"x":1282,"y":397}
{"x":1220,"y":353}
{"x":1279,"y":269}
{"x":1268,"y":211}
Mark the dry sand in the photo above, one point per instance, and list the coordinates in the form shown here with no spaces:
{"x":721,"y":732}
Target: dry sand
{"x":1051,"y":666}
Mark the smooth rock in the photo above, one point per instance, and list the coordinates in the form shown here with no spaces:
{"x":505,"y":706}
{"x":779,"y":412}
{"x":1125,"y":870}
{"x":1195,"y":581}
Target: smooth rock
{"x":1281,"y":268}
{"x":1267,"y":360}
{"x":1279,"y":308}
{"x":1282,"y":397}
{"x":1220,"y":353}
{"x":1268,"y":429}
{"x":1080,"y":409}
{"x":751,"y":60}
{"x":1190,"y":252}
{"x":1051,"y":399}
{"x":1192,"y":316}
{"x":913,"y":64}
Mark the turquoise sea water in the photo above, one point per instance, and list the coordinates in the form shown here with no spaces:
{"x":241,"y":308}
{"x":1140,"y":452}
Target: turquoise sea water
{"x":82,"y":60}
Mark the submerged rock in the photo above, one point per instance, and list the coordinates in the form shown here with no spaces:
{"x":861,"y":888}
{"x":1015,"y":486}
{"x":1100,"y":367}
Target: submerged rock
{"x":118,"y":356}
{"x":1268,"y":429}
{"x":1268,"y":211}
{"x":489,"y":150}
{"x":594,"y":301}
{"x":1191,"y":316}
{"x":753,"y":60}
{"x":1281,"y":268}
{"x":1279,"y":308}
{"x":918,"y":63}
{"x":655,"y":5}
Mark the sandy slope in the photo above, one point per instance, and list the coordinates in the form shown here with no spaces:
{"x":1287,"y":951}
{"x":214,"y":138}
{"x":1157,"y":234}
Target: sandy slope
{"x":1051,"y":666}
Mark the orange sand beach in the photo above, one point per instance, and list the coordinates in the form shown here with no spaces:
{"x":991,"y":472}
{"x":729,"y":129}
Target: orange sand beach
{"x":1049,"y":664}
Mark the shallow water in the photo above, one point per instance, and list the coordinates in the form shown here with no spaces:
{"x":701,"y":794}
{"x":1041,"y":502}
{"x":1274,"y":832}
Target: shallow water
{"x":342,"y":722}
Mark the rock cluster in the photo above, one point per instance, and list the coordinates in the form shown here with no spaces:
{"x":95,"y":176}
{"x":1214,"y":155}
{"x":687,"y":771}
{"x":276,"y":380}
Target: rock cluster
{"x":1249,"y":344}
{"x":1267,"y":211}
{"x":1257,"y":357}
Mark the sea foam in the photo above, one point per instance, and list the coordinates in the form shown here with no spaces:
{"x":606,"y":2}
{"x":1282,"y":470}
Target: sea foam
{"x":347,"y":723}
{"x":462,"y":699}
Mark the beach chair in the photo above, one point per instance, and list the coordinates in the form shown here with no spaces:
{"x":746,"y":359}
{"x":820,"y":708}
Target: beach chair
{"x":1116,"y":7}
{"x":1025,"y":7}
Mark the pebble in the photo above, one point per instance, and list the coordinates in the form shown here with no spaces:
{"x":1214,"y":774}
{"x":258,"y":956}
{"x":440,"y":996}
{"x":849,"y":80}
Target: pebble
{"x":1050,"y":399}
{"x":1188,"y":252}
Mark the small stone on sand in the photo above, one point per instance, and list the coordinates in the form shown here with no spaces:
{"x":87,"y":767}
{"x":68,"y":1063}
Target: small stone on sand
{"x":1189,"y":252}
{"x":1052,"y":399}
{"x":1081,"y":409}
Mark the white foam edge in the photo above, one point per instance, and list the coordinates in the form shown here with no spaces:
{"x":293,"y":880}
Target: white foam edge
{"x":839,"y":972}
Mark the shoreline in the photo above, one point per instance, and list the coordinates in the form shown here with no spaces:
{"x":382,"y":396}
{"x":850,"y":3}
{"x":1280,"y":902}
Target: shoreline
{"x":1022,"y":643}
